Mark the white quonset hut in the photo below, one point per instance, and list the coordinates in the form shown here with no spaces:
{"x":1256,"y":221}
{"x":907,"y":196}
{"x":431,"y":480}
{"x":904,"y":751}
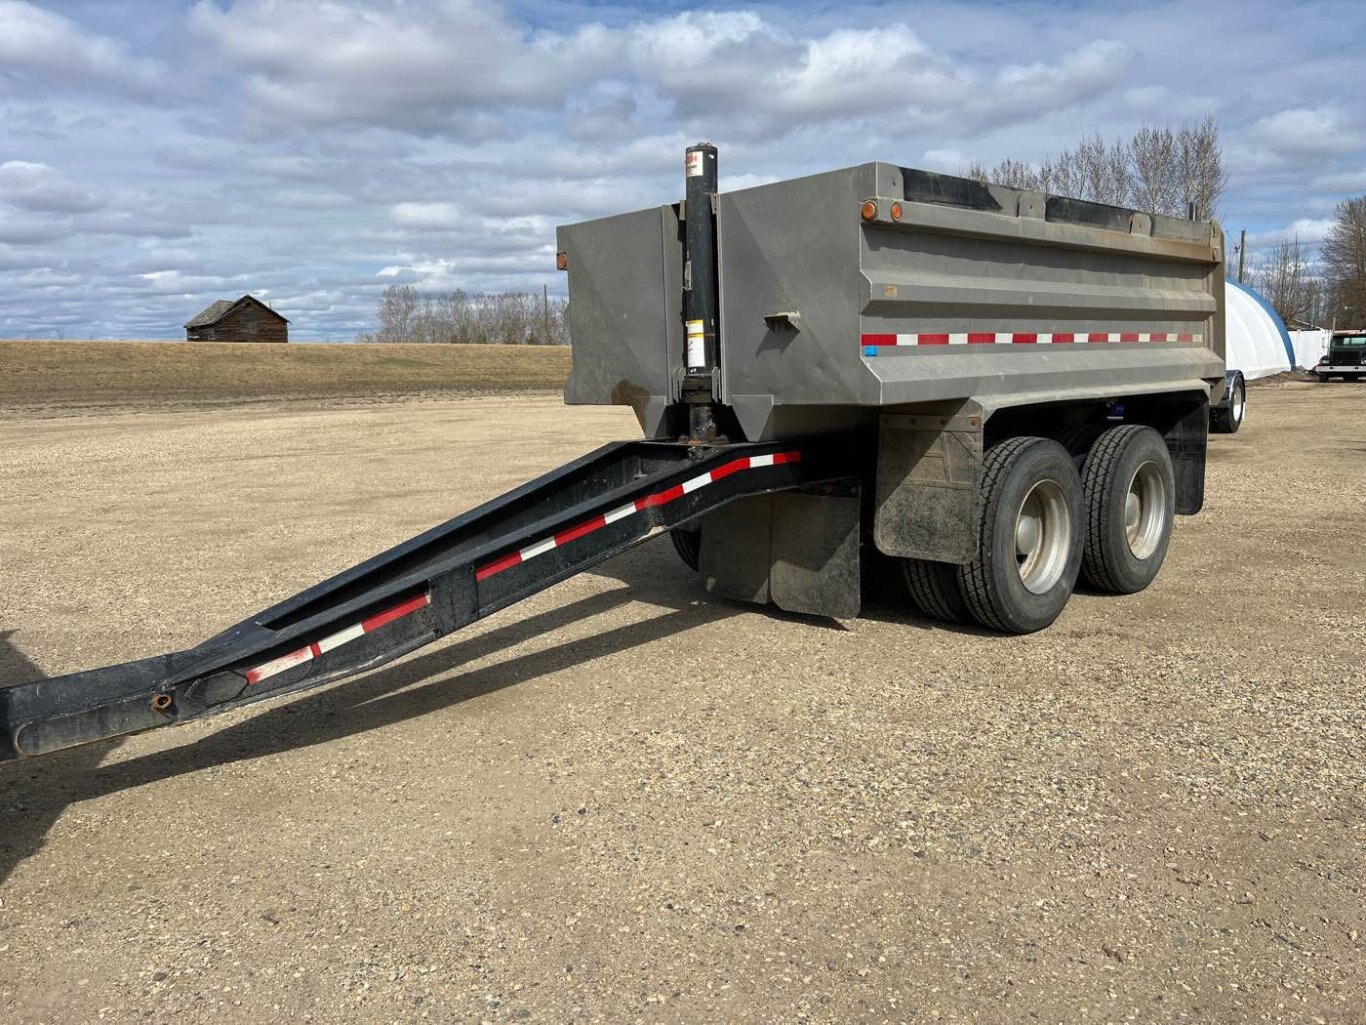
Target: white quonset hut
{"x":1256,"y":339}
{"x":1310,"y":346}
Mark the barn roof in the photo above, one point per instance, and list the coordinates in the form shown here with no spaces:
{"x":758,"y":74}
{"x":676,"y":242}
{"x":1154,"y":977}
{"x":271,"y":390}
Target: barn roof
{"x":212,"y":315}
{"x":219,"y":309}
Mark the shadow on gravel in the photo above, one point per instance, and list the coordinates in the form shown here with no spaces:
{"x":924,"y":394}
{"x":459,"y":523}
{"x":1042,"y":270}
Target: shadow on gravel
{"x":34,"y":793}
{"x":30,"y":800}
{"x":885,"y":600}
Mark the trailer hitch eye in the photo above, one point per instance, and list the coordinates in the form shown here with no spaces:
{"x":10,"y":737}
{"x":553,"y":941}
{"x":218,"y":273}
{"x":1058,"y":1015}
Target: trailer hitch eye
{"x":162,"y":702}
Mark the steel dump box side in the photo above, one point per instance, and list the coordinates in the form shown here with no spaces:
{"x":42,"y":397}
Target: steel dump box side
{"x":877,"y":286}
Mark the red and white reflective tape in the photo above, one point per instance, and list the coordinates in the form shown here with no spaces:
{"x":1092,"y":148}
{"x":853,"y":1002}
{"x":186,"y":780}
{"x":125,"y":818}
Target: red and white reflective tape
{"x":1023,"y":338}
{"x":649,"y":501}
{"x":311,"y":651}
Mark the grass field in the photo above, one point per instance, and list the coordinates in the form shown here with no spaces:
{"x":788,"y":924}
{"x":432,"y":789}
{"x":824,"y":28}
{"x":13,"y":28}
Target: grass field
{"x":51,"y":376}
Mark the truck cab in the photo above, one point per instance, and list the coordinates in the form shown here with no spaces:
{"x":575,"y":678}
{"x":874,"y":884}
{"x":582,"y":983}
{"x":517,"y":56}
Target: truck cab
{"x":1346,"y":356}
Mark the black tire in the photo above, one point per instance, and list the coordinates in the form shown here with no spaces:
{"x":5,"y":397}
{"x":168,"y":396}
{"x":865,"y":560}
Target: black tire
{"x":1229,"y":418}
{"x":688,"y":545}
{"x":993,"y":583}
{"x":1112,"y":560}
{"x":935,"y":590}
{"x":1323,"y":378}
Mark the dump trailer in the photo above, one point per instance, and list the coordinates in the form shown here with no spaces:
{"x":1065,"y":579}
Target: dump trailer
{"x":1000,"y":390}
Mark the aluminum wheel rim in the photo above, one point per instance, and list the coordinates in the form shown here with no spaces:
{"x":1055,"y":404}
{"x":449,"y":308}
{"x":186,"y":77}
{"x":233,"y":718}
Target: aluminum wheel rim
{"x":1043,"y":533}
{"x":1239,"y":401}
{"x":1145,"y":511}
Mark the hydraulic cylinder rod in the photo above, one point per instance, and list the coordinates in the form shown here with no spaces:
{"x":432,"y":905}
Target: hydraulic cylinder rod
{"x":701,"y":302}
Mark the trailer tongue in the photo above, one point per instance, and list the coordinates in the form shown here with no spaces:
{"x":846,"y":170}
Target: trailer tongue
{"x":477,"y":563}
{"x":1001,"y":389}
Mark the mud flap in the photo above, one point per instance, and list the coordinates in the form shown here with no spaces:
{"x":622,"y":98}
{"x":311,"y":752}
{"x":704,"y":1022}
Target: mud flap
{"x":929,"y":472}
{"x":815,"y":566}
{"x":799,"y":551}
{"x":736,"y":549}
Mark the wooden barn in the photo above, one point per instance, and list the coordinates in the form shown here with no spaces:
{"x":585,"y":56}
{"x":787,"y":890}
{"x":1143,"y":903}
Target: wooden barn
{"x":245,"y":320}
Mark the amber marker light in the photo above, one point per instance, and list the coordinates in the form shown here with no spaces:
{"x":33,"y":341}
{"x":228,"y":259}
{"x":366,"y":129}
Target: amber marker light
{"x":896,"y":211}
{"x":561,"y":261}
{"x":869,"y":210}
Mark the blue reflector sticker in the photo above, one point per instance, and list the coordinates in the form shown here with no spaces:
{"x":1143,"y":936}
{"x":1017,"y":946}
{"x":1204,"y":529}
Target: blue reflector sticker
{"x":870,"y":350}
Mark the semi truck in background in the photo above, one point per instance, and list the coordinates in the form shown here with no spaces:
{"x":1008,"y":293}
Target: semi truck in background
{"x":1004,"y":391}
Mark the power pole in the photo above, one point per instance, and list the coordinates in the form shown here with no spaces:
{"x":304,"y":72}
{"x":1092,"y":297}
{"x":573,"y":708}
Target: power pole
{"x":1242,"y":253}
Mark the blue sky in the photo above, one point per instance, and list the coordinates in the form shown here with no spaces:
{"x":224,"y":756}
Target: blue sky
{"x":157,"y":155}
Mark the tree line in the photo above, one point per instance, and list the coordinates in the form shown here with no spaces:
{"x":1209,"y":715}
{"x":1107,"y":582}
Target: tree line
{"x":469,"y":318}
{"x":1164,"y":170}
{"x":1157,"y":170}
{"x":1327,"y":292}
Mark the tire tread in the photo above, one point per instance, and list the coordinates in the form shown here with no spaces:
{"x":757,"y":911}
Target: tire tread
{"x":1097,"y":475}
{"x":926,"y":581}
{"x":688,"y":544}
{"x":973,"y":577}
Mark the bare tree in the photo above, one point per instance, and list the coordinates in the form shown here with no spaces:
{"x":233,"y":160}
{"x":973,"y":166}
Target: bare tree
{"x":1284,"y":280}
{"x":398,"y":314}
{"x":1015,"y":174}
{"x":509,"y":318}
{"x":1344,"y":260}
{"x":1203,"y":180}
{"x":1159,"y":170}
{"x":1157,"y":184}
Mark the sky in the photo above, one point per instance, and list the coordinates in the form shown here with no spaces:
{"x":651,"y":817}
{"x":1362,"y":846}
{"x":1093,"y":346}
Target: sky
{"x":156,"y":155}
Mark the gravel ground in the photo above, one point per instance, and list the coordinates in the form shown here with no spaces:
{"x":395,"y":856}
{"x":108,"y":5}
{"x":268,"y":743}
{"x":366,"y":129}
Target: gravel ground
{"x":624,"y":802}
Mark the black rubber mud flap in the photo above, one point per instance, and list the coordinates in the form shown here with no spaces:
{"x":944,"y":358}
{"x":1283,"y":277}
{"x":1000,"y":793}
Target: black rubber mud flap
{"x":736,"y":550}
{"x":929,"y":471}
{"x":815,"y":567}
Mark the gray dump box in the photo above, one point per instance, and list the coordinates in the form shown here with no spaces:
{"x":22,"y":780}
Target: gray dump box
{"x":879,"y":286}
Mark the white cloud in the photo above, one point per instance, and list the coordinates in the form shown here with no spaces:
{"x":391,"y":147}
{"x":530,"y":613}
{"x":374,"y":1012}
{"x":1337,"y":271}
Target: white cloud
{"x":425,"y":65}
{"x":1343,"y":181}
{"x":426,"y":216}
{"x":1303,"y":131}
{"x":464,"y":69}
{"x":35,"y":186}
{"x":40,"y":43}
{"x":1308,"y":230}
{"x":31,"y":229}
{"x":740,"y":70}
{"x":950,"y":161}
{"x":176,"y":282}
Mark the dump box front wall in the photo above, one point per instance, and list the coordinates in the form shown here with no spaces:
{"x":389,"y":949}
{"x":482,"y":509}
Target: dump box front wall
{"x":625,"y":311}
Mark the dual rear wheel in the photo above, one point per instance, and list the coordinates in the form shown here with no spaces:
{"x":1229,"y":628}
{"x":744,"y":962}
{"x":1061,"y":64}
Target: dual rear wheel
{"x":1043,"y":525}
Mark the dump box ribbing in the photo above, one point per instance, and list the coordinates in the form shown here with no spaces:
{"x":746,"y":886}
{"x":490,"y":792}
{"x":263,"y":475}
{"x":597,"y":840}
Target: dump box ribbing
{"x":879,"y":286}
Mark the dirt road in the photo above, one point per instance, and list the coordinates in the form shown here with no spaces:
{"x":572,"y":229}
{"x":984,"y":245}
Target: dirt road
{"x":622,"y":801}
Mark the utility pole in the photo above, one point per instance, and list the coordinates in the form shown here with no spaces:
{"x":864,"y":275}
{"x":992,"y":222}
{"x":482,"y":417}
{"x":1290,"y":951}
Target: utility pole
{"x":1242,"y":253}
